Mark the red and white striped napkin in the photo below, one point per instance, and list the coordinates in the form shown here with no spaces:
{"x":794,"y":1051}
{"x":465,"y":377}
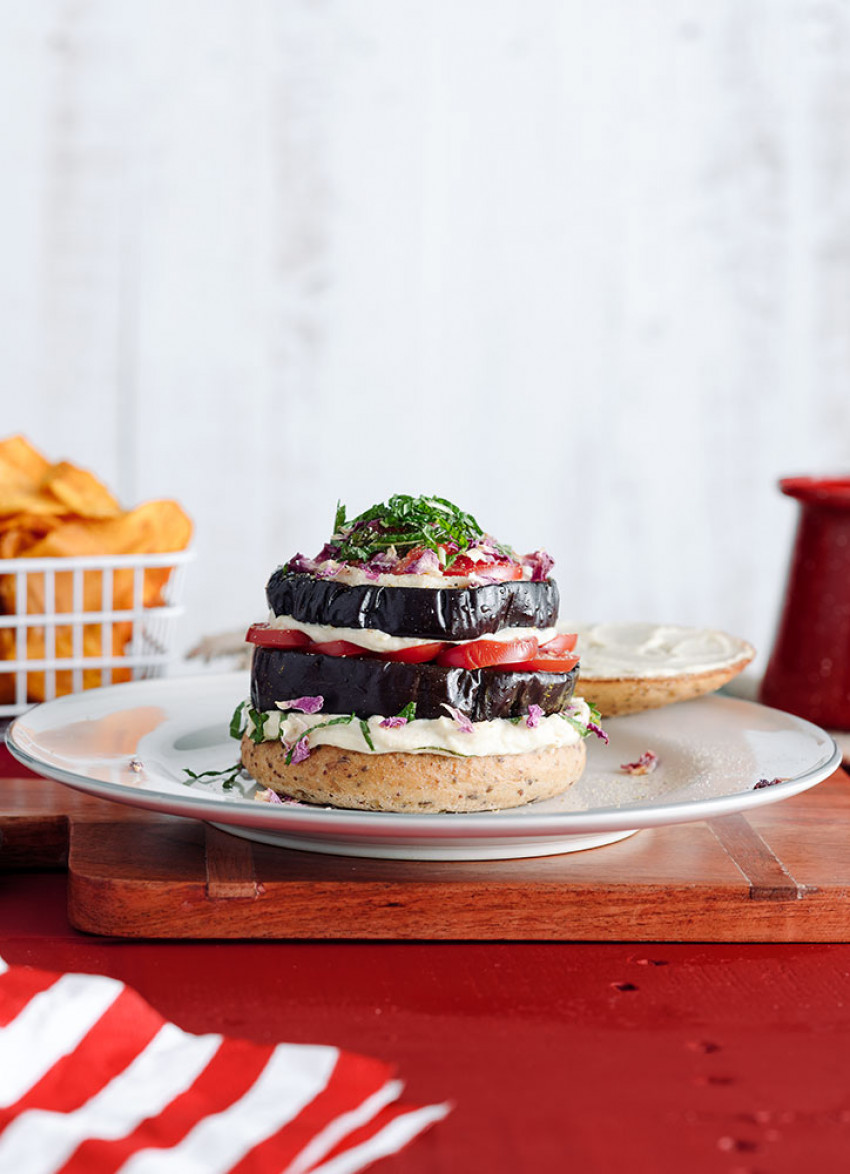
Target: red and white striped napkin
{"x":93,"y":1080}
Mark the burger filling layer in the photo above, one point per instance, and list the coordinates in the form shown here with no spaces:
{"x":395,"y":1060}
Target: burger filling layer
{"x":448,"y":735}
{"x":376,"y":641}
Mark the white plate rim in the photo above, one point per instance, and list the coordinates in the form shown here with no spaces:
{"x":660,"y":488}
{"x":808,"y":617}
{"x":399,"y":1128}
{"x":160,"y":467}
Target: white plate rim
{"x":514,"y":822}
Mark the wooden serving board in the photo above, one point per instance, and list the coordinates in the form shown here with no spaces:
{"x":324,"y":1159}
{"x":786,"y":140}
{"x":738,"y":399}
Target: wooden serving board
{"x":782,"y":873}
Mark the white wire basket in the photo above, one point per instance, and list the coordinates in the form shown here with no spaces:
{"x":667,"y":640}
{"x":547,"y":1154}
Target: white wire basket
{"x":77,"y":623}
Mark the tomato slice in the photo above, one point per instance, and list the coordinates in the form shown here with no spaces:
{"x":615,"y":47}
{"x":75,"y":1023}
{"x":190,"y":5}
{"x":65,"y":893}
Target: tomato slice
{"x":481,"y":654}
{"x":564,"y":642}
{"x":498,"y":571}
{"x":555,"y":656}
{"x":339,"y":648}
{"x":525,"y":655}
{"x":549,"y":664}
{"x":269,"y":637}
{"x":417,"y":654}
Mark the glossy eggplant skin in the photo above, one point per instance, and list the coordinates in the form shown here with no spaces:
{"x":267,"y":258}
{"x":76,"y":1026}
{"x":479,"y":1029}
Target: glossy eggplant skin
{"x":367,"y":687}
{"x":430,"y":613}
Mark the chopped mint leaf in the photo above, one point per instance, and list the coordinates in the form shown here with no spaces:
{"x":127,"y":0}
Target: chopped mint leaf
{"x":334,"y":721}
{"x":577,"y":725}
{"x":339,"y":518}
{"x":404,"y":522}
{"x":259,"y":722}
{"x":409,"y":711}
{"x":444,"y":750}
{"x":237,"y":722}
{"x":227,"y":776}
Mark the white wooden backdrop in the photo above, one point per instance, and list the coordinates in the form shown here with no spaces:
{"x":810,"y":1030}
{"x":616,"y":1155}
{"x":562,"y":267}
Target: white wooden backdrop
{"x":582,"y":266}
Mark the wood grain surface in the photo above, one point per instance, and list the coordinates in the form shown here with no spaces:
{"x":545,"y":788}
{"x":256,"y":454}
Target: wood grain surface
{"x":781,"y":874}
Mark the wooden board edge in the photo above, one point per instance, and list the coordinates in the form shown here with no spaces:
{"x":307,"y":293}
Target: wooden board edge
{"x":289,"y":911}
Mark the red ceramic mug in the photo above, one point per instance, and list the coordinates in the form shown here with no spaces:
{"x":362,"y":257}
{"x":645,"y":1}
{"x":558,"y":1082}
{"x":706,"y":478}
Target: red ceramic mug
{"x":809,"y":668}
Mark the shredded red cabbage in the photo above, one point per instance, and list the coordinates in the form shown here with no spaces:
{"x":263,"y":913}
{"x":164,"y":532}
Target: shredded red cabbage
{"x":478,"y":578}
{"x":535,"y":713}
{"x":598,"y":731}
{"x":300,"y":562}
{"x":427,"y":562}
{"x":382,"y":563}
{"x":393,"y":723}
{"x":540,"y":563}
{"x":489,"y":546}
{"x":328,"y":570}
{"x":319,"y":568}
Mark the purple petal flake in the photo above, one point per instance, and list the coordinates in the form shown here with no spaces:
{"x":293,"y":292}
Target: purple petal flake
{"x":598,"y":731}
{"x":461,"y":718}
{"x":270,"y":796}
{"x":298,"y":752}
{"x":647,"y":762}
{"x":540,"y":563}
{"x":393,"y":723}
{"x":303,"y":704}
{"x":535,"y":713}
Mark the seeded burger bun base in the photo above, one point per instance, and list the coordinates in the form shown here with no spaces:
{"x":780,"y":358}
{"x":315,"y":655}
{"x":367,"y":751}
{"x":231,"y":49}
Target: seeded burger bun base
{"x":414,"y":782}
{"x":628,"y":668}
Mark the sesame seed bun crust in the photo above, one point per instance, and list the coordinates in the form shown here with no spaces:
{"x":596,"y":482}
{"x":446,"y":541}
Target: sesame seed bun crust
{"x":332,"y":777}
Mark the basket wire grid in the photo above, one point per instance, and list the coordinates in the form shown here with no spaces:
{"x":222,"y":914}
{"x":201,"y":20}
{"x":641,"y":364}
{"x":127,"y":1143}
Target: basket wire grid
{"x":79,"y":640}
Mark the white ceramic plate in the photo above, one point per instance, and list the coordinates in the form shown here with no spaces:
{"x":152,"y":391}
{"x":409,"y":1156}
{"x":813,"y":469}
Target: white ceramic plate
{"x":711,"y":752}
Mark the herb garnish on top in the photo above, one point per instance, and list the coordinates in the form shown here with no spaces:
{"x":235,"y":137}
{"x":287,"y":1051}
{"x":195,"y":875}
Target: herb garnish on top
{"x":404,"y":523}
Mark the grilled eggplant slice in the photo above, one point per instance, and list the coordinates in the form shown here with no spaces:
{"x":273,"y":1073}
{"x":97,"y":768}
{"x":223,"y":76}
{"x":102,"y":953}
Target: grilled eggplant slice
{"x":367,"y":687}
{"x":431,"y":613}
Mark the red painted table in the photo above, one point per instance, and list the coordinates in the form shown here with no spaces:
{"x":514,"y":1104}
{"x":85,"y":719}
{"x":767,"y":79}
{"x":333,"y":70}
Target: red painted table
{"x":559,"y":1056}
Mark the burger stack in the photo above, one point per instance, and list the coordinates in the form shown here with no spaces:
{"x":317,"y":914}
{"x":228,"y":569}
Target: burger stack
{"x":413,"y":666}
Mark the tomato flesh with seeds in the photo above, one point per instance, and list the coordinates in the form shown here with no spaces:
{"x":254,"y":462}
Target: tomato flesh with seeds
{"x":495,"y":571}
{"x":481,"y":654}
